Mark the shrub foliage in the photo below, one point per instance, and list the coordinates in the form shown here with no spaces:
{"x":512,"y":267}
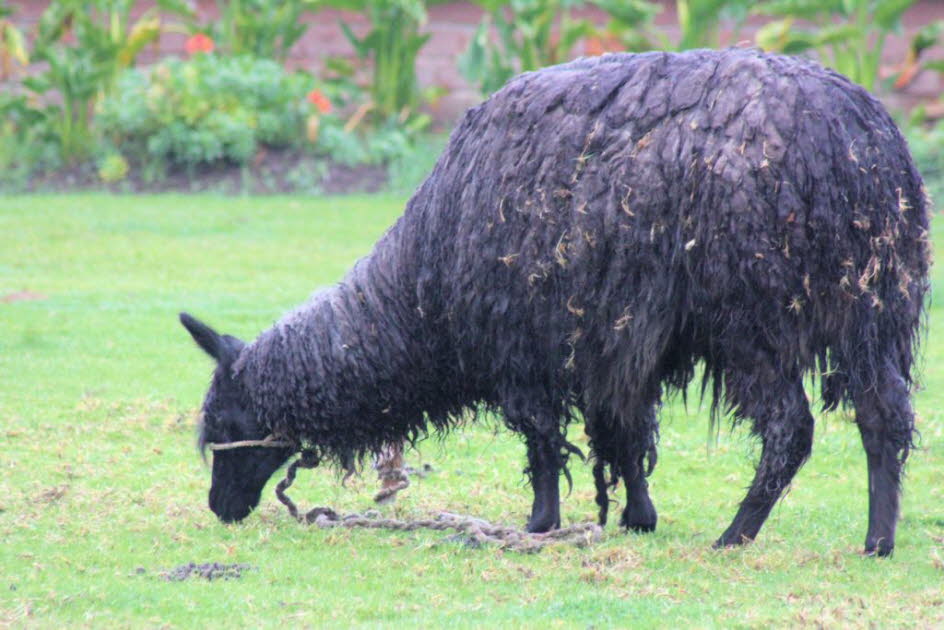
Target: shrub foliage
{"x":205,"y":110}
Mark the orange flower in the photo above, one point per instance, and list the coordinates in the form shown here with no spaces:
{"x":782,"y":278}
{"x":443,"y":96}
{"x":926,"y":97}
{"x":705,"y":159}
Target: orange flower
{"x":199,"y":42}
{"x":601,"y":44}
{"x":320,"y":101}
{"x":593,"y":46}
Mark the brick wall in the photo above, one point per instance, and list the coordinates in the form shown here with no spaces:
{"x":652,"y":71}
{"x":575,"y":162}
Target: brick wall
{"x":452,"y":25}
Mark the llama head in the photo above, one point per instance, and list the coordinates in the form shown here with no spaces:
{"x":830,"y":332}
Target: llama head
{"x":240,"y":474}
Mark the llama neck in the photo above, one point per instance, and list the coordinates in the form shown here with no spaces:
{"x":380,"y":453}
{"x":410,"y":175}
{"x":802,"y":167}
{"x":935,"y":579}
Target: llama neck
{"x":353,"y":369}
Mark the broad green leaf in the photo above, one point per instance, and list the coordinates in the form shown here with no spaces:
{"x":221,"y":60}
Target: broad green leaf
{"x":926,"y":37}
{"x":837,"y":34}
{"x":472,"y":61}
{"x":799,"y":43}
{"x":184,"y":8}
{"x":935,"y":64}
{"x":574,"y":33}
{"x":339,"y":66}
{"x":38,"y":84}
{"x":13,"y":42}
{"x":798,"y":9}
{"x":629,"y":12}
{"x":490,"y":5}
{"x":144,"y":31}
{"x":774,"y":35}
{"x":359,"y":44}
{"x":888,"y":12}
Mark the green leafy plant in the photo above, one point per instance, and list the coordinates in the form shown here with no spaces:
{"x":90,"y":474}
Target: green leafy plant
{"x":521,"y":35}
{"x":926,"y":38}
{"x":926,"y":143}
{"x":12,"y":43}
{"x":390,"y":48}
{"x":264,"y":28}
{"x":699,"y":20}
{"x":211,"y":110}
{"x":628,"y":29}
{"x":850,"y":36}
{"x":27,"y":145}
{"x":113,"y":168}
{"x":208,"y":109}
{"x":699,"y":25}
{"x":528,"y":34}
{"x":85,"y":44}
{"x":269,"y":29}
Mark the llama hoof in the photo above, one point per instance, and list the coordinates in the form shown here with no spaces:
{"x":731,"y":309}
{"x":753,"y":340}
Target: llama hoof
{"x":731,"y":539}
{"x":641,"y":521}
{"x":880,"y":547}
{"x":639,"y":528}
{"x":542,"y":525}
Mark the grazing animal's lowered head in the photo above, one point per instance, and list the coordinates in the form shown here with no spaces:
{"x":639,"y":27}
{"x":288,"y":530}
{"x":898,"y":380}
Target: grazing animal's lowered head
{"x":238,"y":475}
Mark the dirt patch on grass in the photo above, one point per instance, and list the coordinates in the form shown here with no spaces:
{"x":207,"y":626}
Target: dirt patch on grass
{"x":22,"y":296}
{"x":209,"y":571}
{"x":51,"y":495}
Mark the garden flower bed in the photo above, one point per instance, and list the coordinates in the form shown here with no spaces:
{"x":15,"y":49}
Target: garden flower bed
{"x":227,"y":113}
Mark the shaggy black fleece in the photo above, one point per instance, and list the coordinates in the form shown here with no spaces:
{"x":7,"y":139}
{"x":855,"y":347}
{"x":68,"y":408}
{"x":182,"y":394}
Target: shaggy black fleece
{"x":590,"y":233}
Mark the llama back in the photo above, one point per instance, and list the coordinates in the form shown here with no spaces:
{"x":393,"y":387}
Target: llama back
{"x":611,"y":221}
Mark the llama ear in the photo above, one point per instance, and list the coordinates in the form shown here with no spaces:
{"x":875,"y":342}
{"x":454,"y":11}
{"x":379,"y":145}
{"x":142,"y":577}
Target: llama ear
{"x":233,"y":345}
{"x":223,"y":348}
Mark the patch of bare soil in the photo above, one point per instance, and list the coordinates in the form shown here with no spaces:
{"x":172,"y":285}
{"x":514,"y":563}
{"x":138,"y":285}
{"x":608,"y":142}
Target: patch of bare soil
{"x":270,"y":172}
{"x":209,"y":571}
{"x":22,"y":296}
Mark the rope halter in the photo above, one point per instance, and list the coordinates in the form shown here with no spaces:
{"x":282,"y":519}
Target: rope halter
{"x":269,"y":441}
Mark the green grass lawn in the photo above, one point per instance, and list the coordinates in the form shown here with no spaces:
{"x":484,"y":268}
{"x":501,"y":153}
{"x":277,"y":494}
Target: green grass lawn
{"x":102,"y":488}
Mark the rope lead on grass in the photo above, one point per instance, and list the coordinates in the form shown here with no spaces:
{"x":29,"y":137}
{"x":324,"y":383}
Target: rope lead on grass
{"x":477,"y":530}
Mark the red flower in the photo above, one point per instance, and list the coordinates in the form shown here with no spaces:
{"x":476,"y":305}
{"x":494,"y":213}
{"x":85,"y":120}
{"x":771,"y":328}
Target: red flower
{"x":319,"y":100}
{"x":199,"y":42}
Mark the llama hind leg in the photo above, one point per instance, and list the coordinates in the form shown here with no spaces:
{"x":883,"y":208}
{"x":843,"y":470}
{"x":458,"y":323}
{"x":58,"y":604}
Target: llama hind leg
{"x":782,"y":418}
{"x":626,"y":455}
{"x":886,"y":422}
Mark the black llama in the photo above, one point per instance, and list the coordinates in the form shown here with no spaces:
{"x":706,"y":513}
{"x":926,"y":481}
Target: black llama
{"x":590,"y":233}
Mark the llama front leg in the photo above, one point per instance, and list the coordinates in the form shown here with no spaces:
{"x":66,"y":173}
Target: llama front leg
{"x":639,"y":515}
{"x":544,"y":468}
